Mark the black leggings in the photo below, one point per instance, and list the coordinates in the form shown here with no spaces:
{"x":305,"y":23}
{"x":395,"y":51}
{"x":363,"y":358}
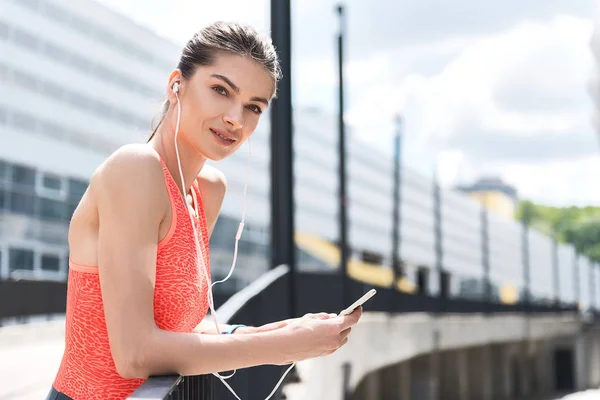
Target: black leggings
{"x":56,"y":395}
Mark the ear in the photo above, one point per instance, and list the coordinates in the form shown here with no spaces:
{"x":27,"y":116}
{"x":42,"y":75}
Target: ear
{"x":175,"y":82}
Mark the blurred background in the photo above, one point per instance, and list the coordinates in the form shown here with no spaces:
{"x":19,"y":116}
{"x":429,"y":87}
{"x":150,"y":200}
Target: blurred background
{"x":471,"y":161}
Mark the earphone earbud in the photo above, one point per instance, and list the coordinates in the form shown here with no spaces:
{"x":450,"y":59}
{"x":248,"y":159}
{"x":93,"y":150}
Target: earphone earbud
{"x":176,"y":87}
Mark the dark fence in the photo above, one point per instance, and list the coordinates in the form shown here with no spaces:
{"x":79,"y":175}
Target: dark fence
{"x":25,"y":298}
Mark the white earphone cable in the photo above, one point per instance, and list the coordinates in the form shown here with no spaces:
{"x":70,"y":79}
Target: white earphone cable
{"x":199,"y":250}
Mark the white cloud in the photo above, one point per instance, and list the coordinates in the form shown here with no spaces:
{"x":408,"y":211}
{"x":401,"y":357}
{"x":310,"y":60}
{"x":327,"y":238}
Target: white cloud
{"x":505,"y":100}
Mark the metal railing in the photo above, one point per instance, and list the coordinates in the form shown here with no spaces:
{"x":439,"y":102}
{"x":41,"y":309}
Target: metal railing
{"x":266,"y":300}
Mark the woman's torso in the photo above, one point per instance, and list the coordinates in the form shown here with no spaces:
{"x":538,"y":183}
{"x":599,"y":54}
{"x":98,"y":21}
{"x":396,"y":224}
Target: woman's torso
{"x":87,"y":370}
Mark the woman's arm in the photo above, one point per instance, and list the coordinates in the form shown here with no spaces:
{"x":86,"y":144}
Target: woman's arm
{"x":129,"y":192}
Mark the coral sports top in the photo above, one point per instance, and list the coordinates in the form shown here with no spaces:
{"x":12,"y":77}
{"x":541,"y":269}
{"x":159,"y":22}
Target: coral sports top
{"x":87,"y":370}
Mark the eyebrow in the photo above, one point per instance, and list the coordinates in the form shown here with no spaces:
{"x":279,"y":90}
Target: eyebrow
{"x":236,"y":89}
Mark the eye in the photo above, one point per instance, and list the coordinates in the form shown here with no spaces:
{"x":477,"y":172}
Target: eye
{"x":255,"y":109}
{"x":221,"y":90}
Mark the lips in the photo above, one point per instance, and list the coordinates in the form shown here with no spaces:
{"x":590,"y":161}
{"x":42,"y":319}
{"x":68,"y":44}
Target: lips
{"x":223,"y":138}
{"x":223,"y":134}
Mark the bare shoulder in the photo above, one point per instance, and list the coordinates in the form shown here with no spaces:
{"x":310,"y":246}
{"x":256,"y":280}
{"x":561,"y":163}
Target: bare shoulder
{"x":134,"y":161}
{"x":213,"y":184}
{"x":132,"y":171}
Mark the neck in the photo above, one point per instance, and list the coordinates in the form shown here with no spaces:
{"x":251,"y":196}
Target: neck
{"x":191,"y":161}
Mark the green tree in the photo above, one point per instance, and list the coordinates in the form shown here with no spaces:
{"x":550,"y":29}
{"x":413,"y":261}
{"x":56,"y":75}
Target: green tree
{"x":579,"y":226}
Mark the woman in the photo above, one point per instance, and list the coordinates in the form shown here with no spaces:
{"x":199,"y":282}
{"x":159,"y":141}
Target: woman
{"x":138,"y":282}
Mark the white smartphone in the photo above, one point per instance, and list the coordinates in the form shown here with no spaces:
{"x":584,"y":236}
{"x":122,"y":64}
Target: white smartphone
{"x":358,"y":302}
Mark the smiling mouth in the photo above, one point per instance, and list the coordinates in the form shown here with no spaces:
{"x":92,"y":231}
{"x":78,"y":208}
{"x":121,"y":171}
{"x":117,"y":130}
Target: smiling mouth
{"x":222,"y":137}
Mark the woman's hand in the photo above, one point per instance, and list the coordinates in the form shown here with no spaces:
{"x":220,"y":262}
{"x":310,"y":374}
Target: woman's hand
{"x":316,"y":335}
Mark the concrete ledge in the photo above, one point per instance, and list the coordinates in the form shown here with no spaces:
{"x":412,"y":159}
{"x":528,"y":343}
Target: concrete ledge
{"x":380,"y":340}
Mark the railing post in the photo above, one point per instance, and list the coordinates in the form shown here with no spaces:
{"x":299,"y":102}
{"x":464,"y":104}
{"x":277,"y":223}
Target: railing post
{"x":576,"y":280}
{"x":346,"y":372}
{"x":525,"y":258}
{"x":485,"y":258}
{"x":397,"y":206}
{"x":439,"y":247}
{"x":591,"y":283}
{"x":282,"y":176}
{"x":342,"y":196}
{"x":556,"y":272}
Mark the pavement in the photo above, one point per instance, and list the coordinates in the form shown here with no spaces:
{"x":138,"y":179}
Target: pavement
{"x":29,"y":359}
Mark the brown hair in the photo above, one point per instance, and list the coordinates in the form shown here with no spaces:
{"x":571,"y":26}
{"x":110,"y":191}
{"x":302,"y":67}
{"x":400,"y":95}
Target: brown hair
{"x":233,"y":38}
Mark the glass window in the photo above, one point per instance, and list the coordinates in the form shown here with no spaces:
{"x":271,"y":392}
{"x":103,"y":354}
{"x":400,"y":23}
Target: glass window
{"x":4,"y":73}
{"x":3,"y":200}
{"x":76,"y":190}
{"x":3,"y":171}
{"x":50,"y":262}
{"x":105,"y":73}
{"x":78,"y":100}
{"x":4,"y":30}
{"x":23,"y":176}
{"x":53,"y":90}
{"x":103,"y":110}
{"x":34,"y":4}
{"x":81,"y":25}
{"x":52,"y":182}
{"x":22,"y":203}
{"x":23,"y":121}
{"x":55,"y":52}
{"x":125,"y":117}
{"x":25,"y":39}
{"x":24,"y":80}
{"x":106,"y":37}
{"x":52,"y":209}
{"x":3,"y":116}
{"x":20,"y":259}
{"x":80,"y":62}
{"x":52,"y":130}
{"x":57,"y":14}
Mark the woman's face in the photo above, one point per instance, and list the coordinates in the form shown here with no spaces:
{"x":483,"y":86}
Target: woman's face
{"x":222,"y":104}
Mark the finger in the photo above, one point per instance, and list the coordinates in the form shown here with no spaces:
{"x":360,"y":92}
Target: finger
{"x":327,"y":353}
{"x":326,"y":316}
{"x":344,"y":342}
{"x":344,"y":334}
{"x":351,"y":319}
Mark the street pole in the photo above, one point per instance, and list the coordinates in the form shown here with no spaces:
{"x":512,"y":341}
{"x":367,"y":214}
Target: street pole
{"x":282,"y":184}
{"x":343,"y":199}
{"x":396,"y":235}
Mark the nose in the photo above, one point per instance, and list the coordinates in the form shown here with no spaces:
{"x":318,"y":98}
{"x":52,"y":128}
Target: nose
{"x":234,"y":118}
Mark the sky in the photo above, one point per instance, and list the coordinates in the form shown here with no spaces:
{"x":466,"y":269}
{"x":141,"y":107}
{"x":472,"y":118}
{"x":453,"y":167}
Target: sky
{"x":485,"y":88}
